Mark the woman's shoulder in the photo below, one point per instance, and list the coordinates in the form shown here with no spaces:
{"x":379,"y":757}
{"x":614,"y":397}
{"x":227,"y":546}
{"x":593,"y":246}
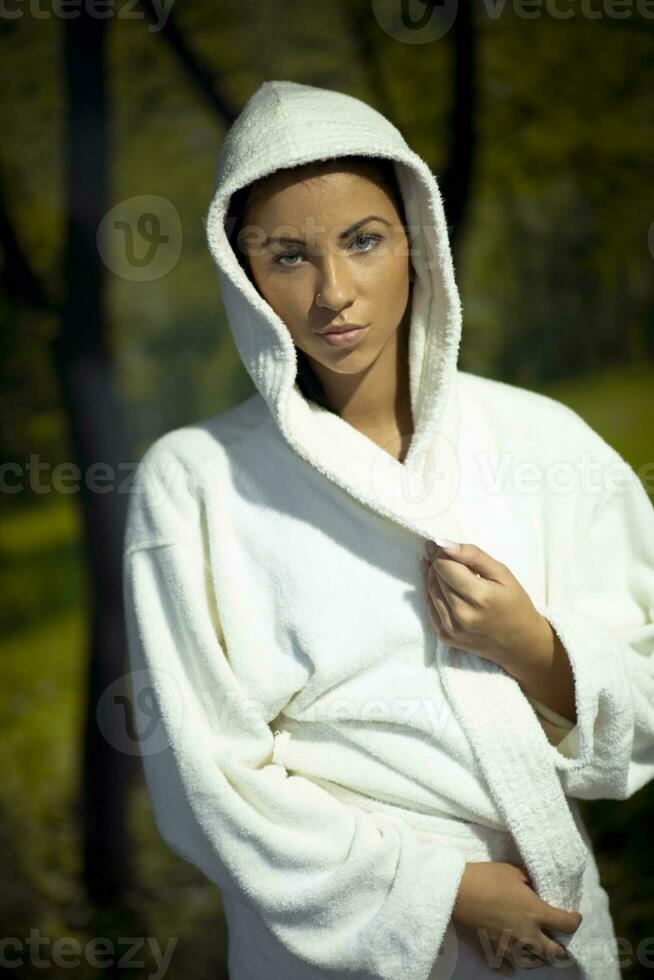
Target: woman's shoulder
{"x":170,"y":478}
{"x":193,"y":447}
{"x":531,"y":419}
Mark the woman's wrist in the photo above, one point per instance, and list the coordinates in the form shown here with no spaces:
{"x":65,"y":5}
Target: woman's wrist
{"x":547,"y":675}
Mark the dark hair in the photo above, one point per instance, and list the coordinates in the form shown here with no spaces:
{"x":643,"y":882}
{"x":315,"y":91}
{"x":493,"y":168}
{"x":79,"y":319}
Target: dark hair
{"x":237,"y":216}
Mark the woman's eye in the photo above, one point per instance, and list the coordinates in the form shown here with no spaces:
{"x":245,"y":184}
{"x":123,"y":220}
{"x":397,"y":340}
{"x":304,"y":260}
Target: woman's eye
{"x":370,"y":242}
{"x":373,"y":239}
{"x":286,"y":255}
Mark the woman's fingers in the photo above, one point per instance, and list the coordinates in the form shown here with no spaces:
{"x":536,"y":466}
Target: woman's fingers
{"x":435,"y":593}
{"x":560,"y":920}
{"x":462,"y":580}
{"x":527,"y":956}
{"x":554,"y":951}
{"x":456,"y":602}
{"x":433,"y":615}
{"x":539,"y":952}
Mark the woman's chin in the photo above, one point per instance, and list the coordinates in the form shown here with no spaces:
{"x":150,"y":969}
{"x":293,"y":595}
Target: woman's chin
{"x":347,"y":362}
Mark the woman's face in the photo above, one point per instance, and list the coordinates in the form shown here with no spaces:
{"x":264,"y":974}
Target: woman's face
{"x":329,"y":249}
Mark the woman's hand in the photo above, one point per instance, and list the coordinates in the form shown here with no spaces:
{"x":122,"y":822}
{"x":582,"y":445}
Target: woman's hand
{"x":497,"y":909}
{"x":476,"y":604}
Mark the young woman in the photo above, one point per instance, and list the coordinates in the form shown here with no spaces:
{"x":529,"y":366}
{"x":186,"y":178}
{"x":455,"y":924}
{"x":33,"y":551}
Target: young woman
{"x":387,"y":619}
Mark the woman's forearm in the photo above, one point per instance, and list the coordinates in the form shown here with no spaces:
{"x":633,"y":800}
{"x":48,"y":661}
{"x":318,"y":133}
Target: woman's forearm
{"x":547,"y":675}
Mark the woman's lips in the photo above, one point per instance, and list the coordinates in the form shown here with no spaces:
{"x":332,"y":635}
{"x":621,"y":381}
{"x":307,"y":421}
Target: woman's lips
{"x":345,"y":339}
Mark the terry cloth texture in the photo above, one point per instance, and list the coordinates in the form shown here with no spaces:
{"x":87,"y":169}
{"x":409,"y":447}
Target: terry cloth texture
{"x":309,"y":743}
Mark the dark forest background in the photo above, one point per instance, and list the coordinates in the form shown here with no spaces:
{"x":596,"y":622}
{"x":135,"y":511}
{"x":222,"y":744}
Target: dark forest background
{"x":540,"y":129}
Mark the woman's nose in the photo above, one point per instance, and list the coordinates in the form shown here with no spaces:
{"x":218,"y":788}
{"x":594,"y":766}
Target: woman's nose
{"x":334,"y":288}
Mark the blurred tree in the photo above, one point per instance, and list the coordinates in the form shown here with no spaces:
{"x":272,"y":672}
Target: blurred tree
{"x":98,"y":433}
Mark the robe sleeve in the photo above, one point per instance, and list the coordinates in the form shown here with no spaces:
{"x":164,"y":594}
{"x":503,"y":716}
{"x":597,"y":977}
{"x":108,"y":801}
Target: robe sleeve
{"x":345,"y":890}
{"x":603,"y":612}
{"x":556,"y":726}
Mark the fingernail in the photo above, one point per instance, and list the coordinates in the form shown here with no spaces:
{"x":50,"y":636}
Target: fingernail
{"x":447,"y":544}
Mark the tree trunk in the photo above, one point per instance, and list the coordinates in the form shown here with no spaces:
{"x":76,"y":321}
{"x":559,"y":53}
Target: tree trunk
{"x":98,"y":433}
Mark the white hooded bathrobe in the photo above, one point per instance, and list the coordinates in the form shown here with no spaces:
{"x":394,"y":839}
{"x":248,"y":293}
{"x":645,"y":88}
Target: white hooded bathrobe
{"x":308,"y":741}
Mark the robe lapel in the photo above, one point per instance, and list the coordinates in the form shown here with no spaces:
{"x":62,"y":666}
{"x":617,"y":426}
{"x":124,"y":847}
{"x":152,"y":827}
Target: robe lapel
{"x":513,"y":752}
{"x":418,"y":494}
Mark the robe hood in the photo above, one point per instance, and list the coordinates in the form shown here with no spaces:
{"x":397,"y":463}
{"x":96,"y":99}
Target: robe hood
{"x":285,"y":124}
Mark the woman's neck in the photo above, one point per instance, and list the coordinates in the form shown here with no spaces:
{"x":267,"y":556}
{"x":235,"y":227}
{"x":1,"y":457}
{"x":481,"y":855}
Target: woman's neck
{"x":378,"y":402}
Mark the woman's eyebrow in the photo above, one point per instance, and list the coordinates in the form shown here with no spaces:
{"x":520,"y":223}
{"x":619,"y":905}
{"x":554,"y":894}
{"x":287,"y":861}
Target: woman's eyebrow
{"x":344,"y":234}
